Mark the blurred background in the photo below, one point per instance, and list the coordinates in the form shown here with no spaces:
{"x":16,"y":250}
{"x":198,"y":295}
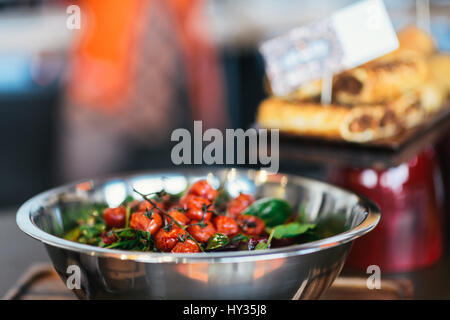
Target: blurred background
{"x":79,"y":103}
{"x":104,"y":98}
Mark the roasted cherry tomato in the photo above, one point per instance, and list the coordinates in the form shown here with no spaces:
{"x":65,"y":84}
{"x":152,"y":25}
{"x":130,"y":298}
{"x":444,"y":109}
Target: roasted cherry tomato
{"x":239,"y":204}
{"x":146,"y":205}
{"x":166,"y":239}
{"x":141,"y":221}
{"x":250,"y":225}
{"x":194,"y":208}
{"x":226,"y":225}
{"x":115,"y":217}
{"x":185,"y":199}
{"x":188,"y":246}
{"x":178,"y":216}
{"x":203,"y":189}
{"x":201,"y":233}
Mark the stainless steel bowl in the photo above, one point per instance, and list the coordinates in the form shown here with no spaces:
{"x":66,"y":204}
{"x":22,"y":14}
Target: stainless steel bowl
{"x":302,"y":271}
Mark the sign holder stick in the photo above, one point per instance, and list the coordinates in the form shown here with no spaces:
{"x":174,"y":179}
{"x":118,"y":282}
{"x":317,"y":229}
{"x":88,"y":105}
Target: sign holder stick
{"x":423,"y":15}
{"x":327,"y":89}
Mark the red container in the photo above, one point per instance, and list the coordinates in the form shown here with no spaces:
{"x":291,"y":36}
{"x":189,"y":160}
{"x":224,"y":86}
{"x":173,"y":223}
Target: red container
{"x":409,"y":235}
{"x":443,"y":150}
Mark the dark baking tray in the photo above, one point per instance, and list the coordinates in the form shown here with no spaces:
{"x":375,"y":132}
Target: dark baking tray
{"x":383,"y":153}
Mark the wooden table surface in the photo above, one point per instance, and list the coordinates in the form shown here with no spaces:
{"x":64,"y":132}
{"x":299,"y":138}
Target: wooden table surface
{"x":18,"y":251}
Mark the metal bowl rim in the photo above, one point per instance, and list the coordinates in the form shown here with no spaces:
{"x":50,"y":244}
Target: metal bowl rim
{"x":25,"y":223}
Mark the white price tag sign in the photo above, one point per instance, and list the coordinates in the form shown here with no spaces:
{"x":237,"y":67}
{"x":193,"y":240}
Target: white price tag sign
{"x":350,"y":37}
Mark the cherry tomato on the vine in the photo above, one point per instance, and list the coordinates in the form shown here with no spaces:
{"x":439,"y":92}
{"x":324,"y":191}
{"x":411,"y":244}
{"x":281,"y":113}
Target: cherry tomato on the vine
{"x":251,"y":225}
{"x":141,"y":221}
{"x":115,"y":217}
{"x":197,"y":207}
{"x":203,"y":189}
{"x":237,"y":205}
{"x":201,"y":233}
{"x":167,"y":239}
{"x":146,"y":205}
{"x":178,"y":216}
{"x":188,"y":246}
{"x":226,"y":225}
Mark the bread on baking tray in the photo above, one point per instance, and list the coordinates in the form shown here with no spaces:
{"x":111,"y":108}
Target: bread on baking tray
{"x":357,"y":123}
{"x":376,"y":100}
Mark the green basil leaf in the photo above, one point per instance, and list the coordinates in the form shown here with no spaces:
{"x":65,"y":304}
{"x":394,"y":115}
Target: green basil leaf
{"x":217,"y":241}
{"x":240,"y":237}
{"x":91,"y":231}
{"x":126,"y":233}
{"x":265,"y":245}
{"x":73,"y":234}
{"x":291,"y":230}
{"x":272,"y":211}
{"x":262,"y":246}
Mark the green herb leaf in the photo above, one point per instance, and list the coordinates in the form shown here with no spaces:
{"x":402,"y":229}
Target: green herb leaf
{"x":76,"y":215}
{"x":291,"y":230}
{"x":240,"y":237}
{"x":261,"y":246}
{"x":265,"y":245}
{"x":92,"y":231}
{"x":131,"y":239}
{"x":73,"y":234}
{"x":272,"y":211}
{"x":217,"y":241}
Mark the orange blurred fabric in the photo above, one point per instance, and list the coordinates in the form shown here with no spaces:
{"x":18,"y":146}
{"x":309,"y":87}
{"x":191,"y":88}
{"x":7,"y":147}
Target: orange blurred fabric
{"x":204,"y":78}
{"x":101,"y":70}
{"x":102,"y":73}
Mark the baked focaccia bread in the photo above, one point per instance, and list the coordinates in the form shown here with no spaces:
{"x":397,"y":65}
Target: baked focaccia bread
{"x":380,"y":81}
{"x":414,"y":106}
{"x":310,"y":91}
{"x":307,"y":92}
{"x":433,"y":96}
{"x":412,"y":39}
{"x":358,"y":123}
{"x":439,"y":65}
